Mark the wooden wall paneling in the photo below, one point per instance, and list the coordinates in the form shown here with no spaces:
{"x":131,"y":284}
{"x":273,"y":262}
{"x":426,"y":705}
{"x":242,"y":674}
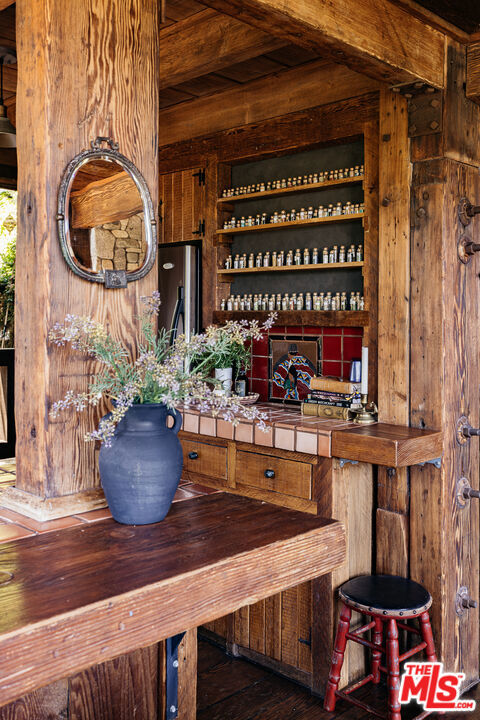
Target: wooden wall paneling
{"x":400,"y":51}
{"x":473,"y":72}
{"x":217,"y":176}
{"x":3,"y":404}
{"x":289,"y":640}
{"x":336,"y":122}
{"x":273,"y":627}
{"x":187,"y":677}
{"x":348,"y":496}
{"x":317,"y":83}
{"x":118,"y":689}
{"x":98,"y":47}
{"x":256,"y":627}
{"x":370,"y":269}
{"x":304,"y":626}
{"x":241,"y":626}
{"x":393,"y":324}
{"x":444,"y":386}
{"x":182,"y":205}
{"x":217,"y":254}
{"x":392,"y":542}
{"x":207,"y":42}
{"x":47,"y":703}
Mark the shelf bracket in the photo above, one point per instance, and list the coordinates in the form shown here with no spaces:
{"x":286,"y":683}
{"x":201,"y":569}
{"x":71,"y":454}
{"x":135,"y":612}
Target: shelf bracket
{"x":437,"y":462}
{"x":171,"y":680}
{"x":344,"y":461}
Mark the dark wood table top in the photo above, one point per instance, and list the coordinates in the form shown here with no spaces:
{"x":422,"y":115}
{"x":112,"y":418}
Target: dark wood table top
{"x":90,"y":593}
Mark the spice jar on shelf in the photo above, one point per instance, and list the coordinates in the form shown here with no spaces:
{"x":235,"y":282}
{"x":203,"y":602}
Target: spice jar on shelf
{"x":359,"y":253}
{"x":306,"y":256}
{"x":315,"y":256}
{"x":326,"y":255}
{"x":298,"y":257}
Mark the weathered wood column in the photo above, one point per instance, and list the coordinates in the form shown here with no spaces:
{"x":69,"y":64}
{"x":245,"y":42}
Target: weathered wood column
{"x":85,"y":68}
{"x":444,"y":353}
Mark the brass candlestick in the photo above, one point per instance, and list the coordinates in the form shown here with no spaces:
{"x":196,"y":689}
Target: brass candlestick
{"x":366,"y":413}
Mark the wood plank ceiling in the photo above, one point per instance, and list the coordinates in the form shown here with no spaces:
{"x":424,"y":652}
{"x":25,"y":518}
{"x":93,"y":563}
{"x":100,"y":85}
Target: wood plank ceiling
{"x":232,"y":75}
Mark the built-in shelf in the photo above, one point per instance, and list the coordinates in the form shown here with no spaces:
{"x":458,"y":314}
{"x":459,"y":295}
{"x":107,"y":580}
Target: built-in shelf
{"x":322,"y":318}
{"x":225,"y":275}
{"x":289,"y":225}
{"x":291,"y":190}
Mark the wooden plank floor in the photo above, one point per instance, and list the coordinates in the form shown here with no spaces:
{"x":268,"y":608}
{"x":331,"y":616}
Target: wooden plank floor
{"x":236,"y":689}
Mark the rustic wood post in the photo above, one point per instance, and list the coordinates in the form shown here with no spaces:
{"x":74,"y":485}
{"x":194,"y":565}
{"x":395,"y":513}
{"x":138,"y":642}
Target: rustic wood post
{"x":86,"y":68}
{"x":444,"y":326}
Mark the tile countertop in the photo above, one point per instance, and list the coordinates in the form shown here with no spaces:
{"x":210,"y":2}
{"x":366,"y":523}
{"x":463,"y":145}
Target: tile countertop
{"x":287,"y":429}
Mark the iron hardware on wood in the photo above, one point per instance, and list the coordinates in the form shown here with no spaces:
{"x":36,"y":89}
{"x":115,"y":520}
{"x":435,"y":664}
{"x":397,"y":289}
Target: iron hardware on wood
{"x":464,"y":431}
{"x":306,"y":641}
{"x":465,"y":492}
{"x":201,"y":228}
{"x":171,"y":671}
{"x":193,"y":455}
{"x":466,"y":210}
{"x":463,"y":601}
{"x":466,"y":249}
{"x":269,"y":473}
{"x":200,"y":175}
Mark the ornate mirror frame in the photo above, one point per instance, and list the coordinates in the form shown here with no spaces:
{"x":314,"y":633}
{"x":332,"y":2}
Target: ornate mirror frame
{"x":111,"y":278}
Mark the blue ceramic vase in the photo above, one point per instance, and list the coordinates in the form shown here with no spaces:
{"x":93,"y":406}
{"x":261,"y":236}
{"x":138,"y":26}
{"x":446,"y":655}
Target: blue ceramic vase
{"x":141,"y":469}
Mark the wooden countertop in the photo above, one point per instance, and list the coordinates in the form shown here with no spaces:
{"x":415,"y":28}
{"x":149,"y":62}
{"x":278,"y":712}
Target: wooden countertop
{"x":90,"y":593}
{"x":287,"y":429}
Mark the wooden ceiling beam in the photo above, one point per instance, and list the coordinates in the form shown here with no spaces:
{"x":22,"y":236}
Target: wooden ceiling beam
{"x":374,"y":37}
{"x":4,"y":4}
{"x":317,"y":83}
{"x":473,"y":72}
{"x":207,"y":42}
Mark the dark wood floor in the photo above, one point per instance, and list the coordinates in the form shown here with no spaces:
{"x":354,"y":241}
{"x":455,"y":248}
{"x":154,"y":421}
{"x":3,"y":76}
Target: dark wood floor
{"x":235,"y":689}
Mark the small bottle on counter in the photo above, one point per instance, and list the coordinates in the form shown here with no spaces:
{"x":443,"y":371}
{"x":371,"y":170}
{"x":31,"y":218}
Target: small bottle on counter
{"x":285,"y":302}
{"x":222,"y":305}
{"x":343,"y":301}
{"x":308,"y":301}
{"x":299,"y":301}
{"x":353,"y":301}
{"x":230,"y":303}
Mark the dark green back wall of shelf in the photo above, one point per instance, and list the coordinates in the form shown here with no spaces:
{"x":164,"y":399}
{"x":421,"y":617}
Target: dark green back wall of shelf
{"x":346,"y":233}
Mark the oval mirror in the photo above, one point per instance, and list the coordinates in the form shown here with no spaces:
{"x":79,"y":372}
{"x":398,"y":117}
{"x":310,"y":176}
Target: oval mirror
{"x":105,"y":217}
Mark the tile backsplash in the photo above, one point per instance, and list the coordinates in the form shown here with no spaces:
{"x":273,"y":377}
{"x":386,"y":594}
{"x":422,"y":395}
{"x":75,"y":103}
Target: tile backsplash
{"x":339,"y":346}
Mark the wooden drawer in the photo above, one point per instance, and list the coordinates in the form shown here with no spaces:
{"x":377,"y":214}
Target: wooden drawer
{"x":205,"y":459}
{"x":290,"y":477}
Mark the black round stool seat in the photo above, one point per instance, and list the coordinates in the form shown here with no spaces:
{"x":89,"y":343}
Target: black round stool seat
{"x":387,"y":595}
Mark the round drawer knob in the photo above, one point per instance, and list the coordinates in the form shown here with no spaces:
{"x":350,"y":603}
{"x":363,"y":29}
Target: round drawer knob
{"x":269,"y":473}
{"x":193,"y":455}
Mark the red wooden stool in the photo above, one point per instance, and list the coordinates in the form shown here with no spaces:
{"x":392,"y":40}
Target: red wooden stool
{"x":388,"y":600}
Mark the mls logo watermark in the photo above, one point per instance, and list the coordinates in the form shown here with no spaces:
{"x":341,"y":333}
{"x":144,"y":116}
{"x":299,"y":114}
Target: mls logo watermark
{"x":431,"y":687}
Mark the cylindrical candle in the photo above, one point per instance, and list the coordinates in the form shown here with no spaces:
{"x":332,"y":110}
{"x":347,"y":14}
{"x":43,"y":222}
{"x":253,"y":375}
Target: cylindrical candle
{"x":364,"y":384}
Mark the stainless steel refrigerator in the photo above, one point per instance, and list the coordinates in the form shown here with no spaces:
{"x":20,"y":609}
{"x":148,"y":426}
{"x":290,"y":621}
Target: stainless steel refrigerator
{"x":179,"y":283}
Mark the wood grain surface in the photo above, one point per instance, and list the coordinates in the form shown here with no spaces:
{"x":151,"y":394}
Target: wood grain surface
{"x":316,"y":83}
{"x":97,"y":75}
{"x":390,"y":445}
{"x":398,"y":50}
{"x":105,"y":602}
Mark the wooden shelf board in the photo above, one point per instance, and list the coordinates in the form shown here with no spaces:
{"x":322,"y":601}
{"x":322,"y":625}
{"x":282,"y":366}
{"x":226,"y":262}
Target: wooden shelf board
{"x":292,"y":224}
{"x":390,"y":445}
{"x":225,"y":274}
{"x":321,"y":318}
{"x":291,"y":190}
